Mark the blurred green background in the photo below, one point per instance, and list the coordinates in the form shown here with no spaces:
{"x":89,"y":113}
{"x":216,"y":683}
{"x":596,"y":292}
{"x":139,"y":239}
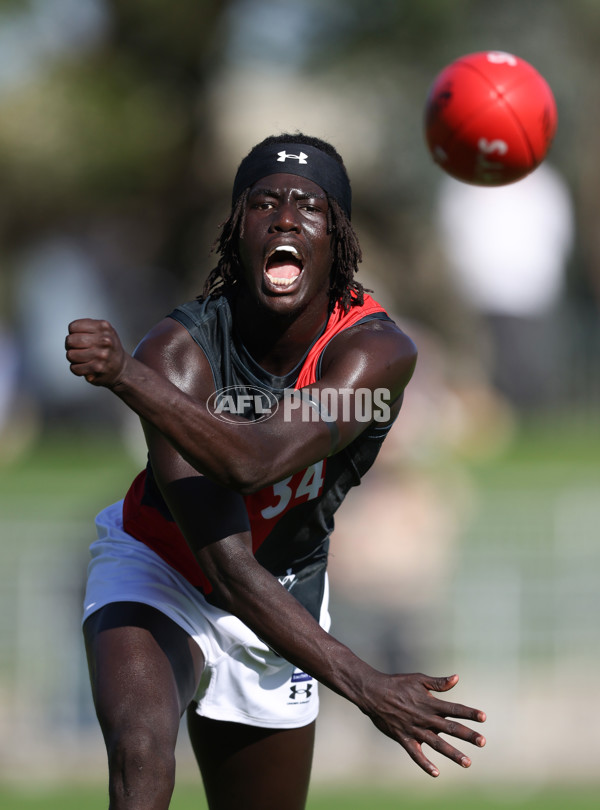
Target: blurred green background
{"x":472,"y":546}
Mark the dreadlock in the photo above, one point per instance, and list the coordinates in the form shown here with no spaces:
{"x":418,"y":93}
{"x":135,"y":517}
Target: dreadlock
{"x":346,"y":249}
{"x":346,"y":257}
{"x":225,"y":274}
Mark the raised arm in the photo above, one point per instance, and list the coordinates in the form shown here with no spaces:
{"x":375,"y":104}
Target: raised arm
{"x":379,"y":358}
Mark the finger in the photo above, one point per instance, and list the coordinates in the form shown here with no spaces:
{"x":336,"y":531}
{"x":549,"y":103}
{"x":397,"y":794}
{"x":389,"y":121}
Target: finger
{"x":80,"y":340}
{"x":441,"y":684}
{"x":83,"y":363}
{"x":85,"y":325}
{"x":82,"y":370}
{"x":415,"y":752}
{"x":459,"y":710}
{"x":77,"y":356}
{"x":90,"y":376}
{"x":446,"y":749}
{"x":461,"y":732}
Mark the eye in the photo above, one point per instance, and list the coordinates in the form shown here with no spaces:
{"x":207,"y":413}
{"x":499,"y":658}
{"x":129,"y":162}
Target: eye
{"x":311,"y":206}
{"x":262,"y":205}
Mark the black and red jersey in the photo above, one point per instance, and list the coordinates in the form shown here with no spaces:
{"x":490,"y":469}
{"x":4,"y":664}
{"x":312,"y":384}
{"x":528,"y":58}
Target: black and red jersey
{"x":290,"y":521}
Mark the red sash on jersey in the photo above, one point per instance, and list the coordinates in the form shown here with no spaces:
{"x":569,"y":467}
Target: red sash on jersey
{"x":268,"y":506}
{"x":338,"y":321}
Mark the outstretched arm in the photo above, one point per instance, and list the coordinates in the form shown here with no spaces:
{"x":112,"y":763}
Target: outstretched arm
{"x":401,"y":706}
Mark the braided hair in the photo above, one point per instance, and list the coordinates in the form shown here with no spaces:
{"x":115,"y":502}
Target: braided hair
{"x":346,"y":249}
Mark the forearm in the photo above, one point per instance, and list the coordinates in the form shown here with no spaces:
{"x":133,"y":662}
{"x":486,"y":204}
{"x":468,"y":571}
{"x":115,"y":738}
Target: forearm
{"x":215,"y":523}
{"x":256,"y":597}
{"x":243,"y":457}
{"x":220,"y":451}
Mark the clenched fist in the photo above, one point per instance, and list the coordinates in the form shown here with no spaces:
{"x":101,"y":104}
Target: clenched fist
{"x":95,"y":352}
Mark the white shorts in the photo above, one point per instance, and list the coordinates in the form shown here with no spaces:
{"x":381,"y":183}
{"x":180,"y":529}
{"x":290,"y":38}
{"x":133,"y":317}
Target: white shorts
{"x":244,"y":681}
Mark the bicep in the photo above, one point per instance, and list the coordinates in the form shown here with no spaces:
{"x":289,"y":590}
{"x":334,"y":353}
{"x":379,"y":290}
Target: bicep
{"x":363,"y":380}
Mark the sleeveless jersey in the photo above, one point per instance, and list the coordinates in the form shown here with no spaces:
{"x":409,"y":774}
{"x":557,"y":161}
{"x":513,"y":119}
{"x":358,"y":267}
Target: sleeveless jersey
{"x":290,"y":521}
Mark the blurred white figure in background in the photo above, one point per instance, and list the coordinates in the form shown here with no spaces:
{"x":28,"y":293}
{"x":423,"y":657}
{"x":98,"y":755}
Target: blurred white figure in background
{"x":508,"y":248}
{"x":55,"y":279}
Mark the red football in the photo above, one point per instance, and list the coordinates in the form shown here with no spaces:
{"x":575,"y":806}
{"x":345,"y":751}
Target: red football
{"x":490,"y":118}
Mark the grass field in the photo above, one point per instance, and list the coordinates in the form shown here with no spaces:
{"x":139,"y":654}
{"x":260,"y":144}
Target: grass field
{"x":362,"y":798}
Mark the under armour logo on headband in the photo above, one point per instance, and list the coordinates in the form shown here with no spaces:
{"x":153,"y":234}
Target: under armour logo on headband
{"x":283,"y":156}
{"x":301,"y":159}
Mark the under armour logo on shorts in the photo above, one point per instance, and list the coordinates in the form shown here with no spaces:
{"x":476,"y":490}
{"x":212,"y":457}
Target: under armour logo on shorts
{"x":283,"y":156}
{"x":297,"y":690}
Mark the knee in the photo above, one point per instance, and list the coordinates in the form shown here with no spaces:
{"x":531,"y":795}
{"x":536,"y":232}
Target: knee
{"x":140,"y":758}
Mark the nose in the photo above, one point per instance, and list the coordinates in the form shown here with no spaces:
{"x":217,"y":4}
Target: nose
{"x":285,"y":218}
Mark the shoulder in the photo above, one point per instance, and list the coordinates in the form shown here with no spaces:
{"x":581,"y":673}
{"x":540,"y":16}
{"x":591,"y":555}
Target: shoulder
{"x":379,"y":345}
{"x":381,"y":333}
{"x":170,"y":349}
{"x":167,"y":338}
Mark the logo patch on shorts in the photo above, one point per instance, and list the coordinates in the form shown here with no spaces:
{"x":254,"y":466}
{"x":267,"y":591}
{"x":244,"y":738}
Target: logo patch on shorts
{"x":300,"y":694}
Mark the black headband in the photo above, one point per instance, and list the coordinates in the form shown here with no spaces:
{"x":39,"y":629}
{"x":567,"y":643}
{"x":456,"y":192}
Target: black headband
{"x":295,"y":158}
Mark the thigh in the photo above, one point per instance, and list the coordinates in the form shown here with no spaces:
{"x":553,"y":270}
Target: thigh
{"x":250,"y":767}
{"x":142,"y":665}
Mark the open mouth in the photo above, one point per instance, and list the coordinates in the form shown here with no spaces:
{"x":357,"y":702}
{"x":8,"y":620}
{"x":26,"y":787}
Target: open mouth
{"x":283,"y":266}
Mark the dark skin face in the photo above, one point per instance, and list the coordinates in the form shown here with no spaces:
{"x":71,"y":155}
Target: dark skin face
{"x":283,"y":308}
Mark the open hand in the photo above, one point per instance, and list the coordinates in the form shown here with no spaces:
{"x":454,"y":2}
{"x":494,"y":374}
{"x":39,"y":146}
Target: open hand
{"x":407,"y":712}
{"x":95,"y":352}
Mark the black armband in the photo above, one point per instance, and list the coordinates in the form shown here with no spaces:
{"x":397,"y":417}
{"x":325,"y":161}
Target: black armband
{"x":326,"y":417}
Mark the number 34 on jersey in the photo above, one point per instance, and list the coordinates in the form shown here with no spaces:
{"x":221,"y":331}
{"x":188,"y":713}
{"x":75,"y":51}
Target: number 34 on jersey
{"x":274,"y":501}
